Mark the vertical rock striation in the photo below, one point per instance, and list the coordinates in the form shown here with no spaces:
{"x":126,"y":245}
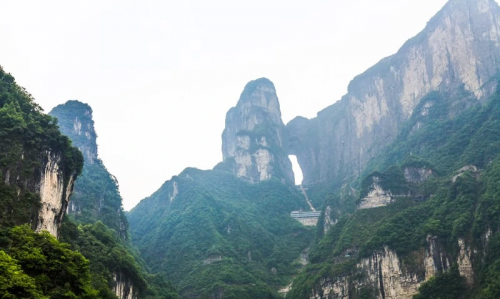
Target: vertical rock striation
{"x":458,"y":49}
{"x":386,"y":272}
{"x":254,"y":139}
{"x":54,"y":195}
{"x":123,"y":287}
{"x":38,"y":165}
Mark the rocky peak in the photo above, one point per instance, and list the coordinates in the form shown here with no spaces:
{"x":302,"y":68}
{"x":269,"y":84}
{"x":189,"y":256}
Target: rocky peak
{"x":253,"y":139}
{"x":75,"y":121}
{"x":459,"y":49}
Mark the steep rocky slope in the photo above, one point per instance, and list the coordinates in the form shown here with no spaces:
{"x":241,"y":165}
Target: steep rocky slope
{"x":405,"y":166}
{"x":227,"y":232}
{"x":96,"y":195}
{"x":96,"y":207}
{"x":423,"y":223}
{"x":38,"y":165}
{"x":459,"y":50}
{"x":254,"y":139}
{"x":417,"y":140}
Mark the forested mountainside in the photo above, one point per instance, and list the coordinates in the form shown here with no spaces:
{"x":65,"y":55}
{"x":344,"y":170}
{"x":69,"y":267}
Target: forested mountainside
{"x":458,"y":50}
{"x":95,"y":196}
{"x":227,"y":232}
{"x":410,"y":196}
{"x":404,"y":168}
{"x":38,"y":164}
{"x":39,"y":167}
{"x":96,"y":225}
{"x":425,"y":220}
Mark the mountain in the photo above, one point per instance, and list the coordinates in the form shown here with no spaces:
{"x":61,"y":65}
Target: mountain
{"x":96,"y":195}
{"x":227,"y":232}
{"x":96,"y":225}
{"x":38,"y":165}
{"x":425,"y":220}
{"x":458,"y":51}
{"x":406,"y":166}
{"x":254,"y":139}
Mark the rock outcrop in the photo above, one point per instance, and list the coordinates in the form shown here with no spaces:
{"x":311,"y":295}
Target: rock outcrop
{"x":75,"y":121}
{"x":38,"y":165}
{"x":54,"y":195}
{"x":386,"y":273}
{"x":96,"y":195}
{"x":458,"y":49}
{"x":418,"y":174}
{"x":254,"y":139}
{"x":123,"y":287}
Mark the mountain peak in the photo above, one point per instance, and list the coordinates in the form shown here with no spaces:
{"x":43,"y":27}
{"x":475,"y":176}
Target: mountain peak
{"x":75,"y":121}
{"x":254,"y":135}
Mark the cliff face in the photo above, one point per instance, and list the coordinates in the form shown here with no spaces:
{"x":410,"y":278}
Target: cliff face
{"x":96,"y":195}
{"x":53,"y":185}
{"x":389,"y":277}
{"x":458,"y":49}
{"x":75,"y":121}
{"x":123,"y":287}
{"x":54,"y":195}
{"x":254,"y":139}
{"x":38,"y":165}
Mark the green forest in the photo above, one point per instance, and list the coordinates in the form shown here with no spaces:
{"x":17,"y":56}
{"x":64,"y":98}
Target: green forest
{"x":450,"y":205}
{"x":221,"y":234}
{"x":91,"y":249}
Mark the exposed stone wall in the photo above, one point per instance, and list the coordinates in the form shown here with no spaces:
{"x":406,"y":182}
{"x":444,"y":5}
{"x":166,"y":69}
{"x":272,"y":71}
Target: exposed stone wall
{"x":385,"y":272}
{"x":254,"y":136}
{"x":376,"y":197}
{"x":54,"y":195}
{"x":460,"y":47}
{"x":123,"y":287}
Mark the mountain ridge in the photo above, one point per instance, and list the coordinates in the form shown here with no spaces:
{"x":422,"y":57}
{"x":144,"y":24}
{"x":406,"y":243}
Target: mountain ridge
{"x":344,"y":136}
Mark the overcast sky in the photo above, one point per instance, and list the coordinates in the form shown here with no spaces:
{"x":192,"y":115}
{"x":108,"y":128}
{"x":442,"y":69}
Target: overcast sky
{"x":161,"y":75}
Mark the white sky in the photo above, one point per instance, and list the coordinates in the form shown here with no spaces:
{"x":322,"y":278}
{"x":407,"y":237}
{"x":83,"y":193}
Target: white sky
{"x":161,"y":75}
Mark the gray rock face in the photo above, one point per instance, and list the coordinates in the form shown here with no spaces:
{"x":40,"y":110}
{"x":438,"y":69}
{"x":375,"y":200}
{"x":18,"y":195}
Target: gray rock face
{"x":254,"y":137}
{"x":387,"y":273}
{"x":460,"y":47}
{"x":75,"y":121}
{"x":417,"y":175}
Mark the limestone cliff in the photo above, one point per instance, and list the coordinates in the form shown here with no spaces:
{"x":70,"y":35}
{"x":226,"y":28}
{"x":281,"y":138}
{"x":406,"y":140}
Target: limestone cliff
{"x":254,"y":139}
{"x":123,"y":287}
{"x":54,"y":195}
{"x":459,"y":48}
{"x":38,"y":165}
{"x":390,"y":277}
{"x":75,"y":121}
{"x":96,"y":195}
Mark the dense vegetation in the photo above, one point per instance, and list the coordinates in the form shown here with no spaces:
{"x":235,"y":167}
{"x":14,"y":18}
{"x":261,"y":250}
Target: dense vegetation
{"x":109,"y":256}
{"x":27,"y":136}
{"x":212,"y":234}
{"x":96,"y":224}
{"x":38,"y":266}
{"x":96,"y":196}
{"x":448,"y":206}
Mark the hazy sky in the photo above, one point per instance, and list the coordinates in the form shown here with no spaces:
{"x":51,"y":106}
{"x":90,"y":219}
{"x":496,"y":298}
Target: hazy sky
{"x":161,"y":75}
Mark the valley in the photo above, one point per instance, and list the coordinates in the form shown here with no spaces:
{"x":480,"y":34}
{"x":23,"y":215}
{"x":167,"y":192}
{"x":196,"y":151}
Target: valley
{"x":400,"y":196}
